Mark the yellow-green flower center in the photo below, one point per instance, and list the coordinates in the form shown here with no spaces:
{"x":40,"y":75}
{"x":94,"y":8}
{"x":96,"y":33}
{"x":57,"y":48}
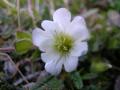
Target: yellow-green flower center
{"x":63,"y":43}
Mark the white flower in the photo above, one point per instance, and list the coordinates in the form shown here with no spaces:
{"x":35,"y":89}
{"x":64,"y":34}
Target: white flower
{"x":62,"y":41}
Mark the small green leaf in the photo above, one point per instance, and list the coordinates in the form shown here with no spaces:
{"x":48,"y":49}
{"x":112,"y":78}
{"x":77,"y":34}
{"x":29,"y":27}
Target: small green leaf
{"x":23,"y":35}
{"x":49,"y":83}
{"x":114,"y":42}
{"x":75,"y":76}
{"x":22,"y":46}
{"x":35,"y":54}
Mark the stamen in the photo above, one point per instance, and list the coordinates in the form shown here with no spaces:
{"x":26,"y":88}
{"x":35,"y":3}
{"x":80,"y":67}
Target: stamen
{"x":63,"y":43}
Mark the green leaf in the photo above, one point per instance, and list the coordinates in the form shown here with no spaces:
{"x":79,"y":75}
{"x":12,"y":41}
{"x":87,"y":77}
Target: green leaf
{"x":114,"y":41}
{"x":35,"y":54}
{"x":22,"y":46}
{"x":98,"y":40}
{"x":23,"y":35}
{"x":2,"y":4}
{"x":49,"y":83}
{"x":88,"y":76}
{"x":75,"y":76}
{"x":113,"y":44}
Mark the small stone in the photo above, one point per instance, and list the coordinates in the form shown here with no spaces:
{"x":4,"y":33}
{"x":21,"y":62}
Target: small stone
{"x":117,"y":84}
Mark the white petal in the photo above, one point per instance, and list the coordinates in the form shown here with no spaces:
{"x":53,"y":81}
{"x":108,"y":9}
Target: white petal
{"x":71,"y":63}
{"x":48,"y":56}
{"x":78,"y":28}
{"x":38,"y":36}
{"x":49,"y":25}
{"x":54,"y":66}
{"x":62,"y":16}
{"x":46,"y":45}
{"x":79,"y":49}
{"x":79,"y":19}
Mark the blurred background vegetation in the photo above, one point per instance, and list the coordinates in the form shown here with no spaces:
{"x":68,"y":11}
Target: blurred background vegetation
{"x":21,"y":67}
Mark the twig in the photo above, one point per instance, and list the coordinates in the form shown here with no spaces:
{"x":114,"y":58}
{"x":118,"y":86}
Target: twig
{"x":18,"y":14}
{"x":51,"y":6}
{"x":9,"y":4}
{"x":37,"y":5}
{"x":30,"y":85}
{"x":90,"y":12}
{"x":4,"y":54}
{"x":66,"y":3}
{"x":28,"y":77}
{"x":30,"y":11}
{"x":8,"y":49}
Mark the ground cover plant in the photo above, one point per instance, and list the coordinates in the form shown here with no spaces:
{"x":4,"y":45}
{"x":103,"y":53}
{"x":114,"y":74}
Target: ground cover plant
{"x":59,"y":45}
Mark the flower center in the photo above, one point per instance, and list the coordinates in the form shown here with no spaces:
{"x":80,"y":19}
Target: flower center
{"x":63,"y":43}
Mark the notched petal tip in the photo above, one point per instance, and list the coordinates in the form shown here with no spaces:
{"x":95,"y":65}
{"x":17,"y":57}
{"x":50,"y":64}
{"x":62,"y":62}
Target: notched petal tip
{"x":79,"y":20}
{"x":54,"y":67}
{"x":79,"y":28}
{"x":48,"y":25}
{"x":62,"y":16}
{"x":61,"y":10}
{"x":71,"y":64}
{"x":62,"y":13}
